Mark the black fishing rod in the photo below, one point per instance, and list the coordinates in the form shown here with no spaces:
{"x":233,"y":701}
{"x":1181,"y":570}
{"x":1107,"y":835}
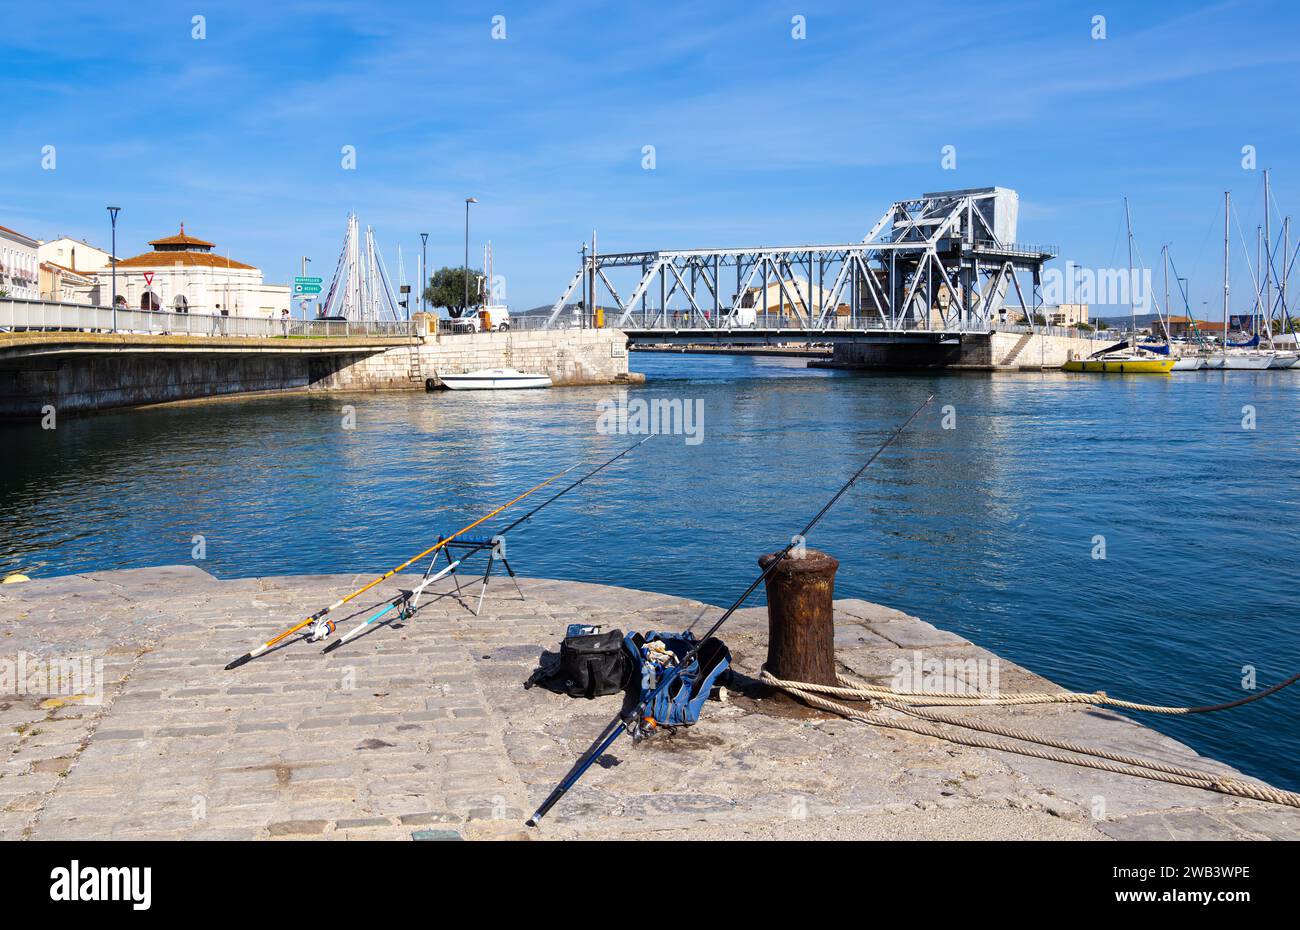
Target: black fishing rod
{"x":619,"y":724}
{"x":550,"y":500}
{"x":412,"y":596}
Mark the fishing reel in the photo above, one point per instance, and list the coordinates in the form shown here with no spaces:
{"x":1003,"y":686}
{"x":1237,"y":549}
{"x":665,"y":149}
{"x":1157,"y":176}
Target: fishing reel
{"x":320,"y":629}
{"x":642,"y":728}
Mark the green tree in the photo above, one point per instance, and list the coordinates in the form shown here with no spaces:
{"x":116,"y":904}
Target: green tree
{"x":1101,"y":325}
{"x":447,"y":289}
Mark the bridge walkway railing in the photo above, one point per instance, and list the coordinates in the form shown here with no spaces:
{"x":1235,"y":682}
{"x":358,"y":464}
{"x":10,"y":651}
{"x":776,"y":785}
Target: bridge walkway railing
{"x":17,"y":315}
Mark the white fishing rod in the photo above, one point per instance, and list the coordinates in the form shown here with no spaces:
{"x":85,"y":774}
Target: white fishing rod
{"x":409,"y":601}
{"x":315,"y":618}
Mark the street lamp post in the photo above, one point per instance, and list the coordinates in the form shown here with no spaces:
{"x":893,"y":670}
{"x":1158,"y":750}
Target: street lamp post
{"x":465,"y":273}
{"x":112,"y":215}
{"x":424,"y":267}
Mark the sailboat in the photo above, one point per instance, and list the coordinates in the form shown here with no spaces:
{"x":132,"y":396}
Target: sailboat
{"x":1192,"y":362}
{"x":1234,"y":356}
{"x":1126,"y":357}
{"x":1284,"y":358}
{"x":1116,"y":361}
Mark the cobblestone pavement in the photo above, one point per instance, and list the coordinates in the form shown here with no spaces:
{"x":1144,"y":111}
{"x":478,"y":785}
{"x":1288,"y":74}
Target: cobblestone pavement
{"x":423,"y":729}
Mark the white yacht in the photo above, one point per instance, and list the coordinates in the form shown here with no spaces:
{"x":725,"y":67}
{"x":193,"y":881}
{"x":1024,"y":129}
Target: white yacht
{"x":1239,"y":360}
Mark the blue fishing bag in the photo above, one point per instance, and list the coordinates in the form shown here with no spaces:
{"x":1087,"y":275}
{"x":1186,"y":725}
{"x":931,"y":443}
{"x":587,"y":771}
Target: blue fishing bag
{"x":681,"y":702}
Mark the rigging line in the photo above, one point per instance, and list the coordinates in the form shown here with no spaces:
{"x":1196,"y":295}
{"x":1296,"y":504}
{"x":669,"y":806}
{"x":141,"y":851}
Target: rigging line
{"x":1258,"y":288}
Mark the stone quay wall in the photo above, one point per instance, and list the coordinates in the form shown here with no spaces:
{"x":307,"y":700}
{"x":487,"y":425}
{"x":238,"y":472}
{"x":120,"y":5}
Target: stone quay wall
{"x":568,"y":357}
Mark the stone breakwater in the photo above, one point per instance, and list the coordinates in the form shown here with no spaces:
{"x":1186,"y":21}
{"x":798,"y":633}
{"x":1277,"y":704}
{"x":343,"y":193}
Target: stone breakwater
{"x":423,"y":728}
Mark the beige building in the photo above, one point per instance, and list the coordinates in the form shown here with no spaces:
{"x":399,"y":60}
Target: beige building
{"x":63,"y":285}
{"x":19,"y":265}
{"x":185,"y":274}
{"x":68,"y":268}
{"x":1066,"y":316}
{"x":787,"y":300}
{"x":74,"y":254}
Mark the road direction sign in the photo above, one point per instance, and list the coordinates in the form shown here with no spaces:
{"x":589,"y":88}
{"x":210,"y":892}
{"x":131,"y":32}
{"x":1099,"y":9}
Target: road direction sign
{"x":305,"y":289}
{"x":308,"y":280}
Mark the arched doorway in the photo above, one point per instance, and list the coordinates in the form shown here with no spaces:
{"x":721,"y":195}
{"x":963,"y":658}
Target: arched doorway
{"x":180,"y":304}
{"x":149,"y":301}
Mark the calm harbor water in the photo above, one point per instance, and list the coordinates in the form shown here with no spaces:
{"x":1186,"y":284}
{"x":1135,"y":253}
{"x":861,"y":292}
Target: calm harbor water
{"x":986,"y":529}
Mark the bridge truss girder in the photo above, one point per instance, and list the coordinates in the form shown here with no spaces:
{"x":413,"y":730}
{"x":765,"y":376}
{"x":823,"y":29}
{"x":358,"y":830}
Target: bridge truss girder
{"x":927,"y":265}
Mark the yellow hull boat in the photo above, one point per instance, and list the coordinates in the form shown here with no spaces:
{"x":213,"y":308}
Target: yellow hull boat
{"x":1124,"y":366}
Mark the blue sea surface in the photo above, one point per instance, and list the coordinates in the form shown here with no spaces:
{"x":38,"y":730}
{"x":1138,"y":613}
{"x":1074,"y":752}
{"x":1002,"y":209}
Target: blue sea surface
{"x":989,"y":528}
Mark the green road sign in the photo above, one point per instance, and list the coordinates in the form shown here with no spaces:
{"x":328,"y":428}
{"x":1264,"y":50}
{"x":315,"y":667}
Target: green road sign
{"x":302,"y":289}
{"x":301,"y":280}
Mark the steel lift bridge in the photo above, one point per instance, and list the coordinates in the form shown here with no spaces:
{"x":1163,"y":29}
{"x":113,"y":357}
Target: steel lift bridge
{"x":930,"y":270}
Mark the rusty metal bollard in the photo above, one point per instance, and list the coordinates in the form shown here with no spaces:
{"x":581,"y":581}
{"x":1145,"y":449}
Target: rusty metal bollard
{"x":801,"y":617}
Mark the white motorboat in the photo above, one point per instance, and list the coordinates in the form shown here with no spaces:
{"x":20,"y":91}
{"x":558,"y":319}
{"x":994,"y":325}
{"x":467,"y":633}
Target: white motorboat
{"x":494,"y":379}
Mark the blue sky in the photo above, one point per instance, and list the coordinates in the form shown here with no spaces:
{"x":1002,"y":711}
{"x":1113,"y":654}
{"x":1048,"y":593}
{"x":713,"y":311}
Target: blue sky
{"x":759,"y":138}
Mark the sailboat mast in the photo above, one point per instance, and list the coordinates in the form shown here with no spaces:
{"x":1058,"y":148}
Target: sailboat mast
{"x":1259,"y":279}
{"x":1164,"y":252}
{"x":1285,"y":319}
{"x":1132,"y":304}
{"x":1268,"y":257}
{"x":1227,"y":233}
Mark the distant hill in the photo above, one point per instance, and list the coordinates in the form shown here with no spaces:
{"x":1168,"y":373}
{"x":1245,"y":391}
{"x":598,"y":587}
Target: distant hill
{"x":543,"y":310}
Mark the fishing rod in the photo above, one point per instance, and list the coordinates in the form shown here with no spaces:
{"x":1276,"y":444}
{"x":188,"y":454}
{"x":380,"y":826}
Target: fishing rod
{"x":620,"y":723}
{"x":249,"y":656}
{"x":412,"y":596}
{"x":550,"y":500}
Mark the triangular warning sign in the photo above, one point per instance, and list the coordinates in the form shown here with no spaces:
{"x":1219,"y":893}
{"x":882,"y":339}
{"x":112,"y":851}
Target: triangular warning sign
{"x":148,"y":277}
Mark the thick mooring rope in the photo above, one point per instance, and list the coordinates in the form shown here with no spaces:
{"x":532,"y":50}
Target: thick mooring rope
{"x":911,"y":703}
{"x":857,"y":690}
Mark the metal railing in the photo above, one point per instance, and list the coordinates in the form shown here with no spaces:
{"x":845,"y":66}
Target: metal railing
{"x":688,"y":321}
{"x":533,"y":322}
{"x":18,"y":315}
{"x":1016,"y":248}
{"x":1039,"y":330}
